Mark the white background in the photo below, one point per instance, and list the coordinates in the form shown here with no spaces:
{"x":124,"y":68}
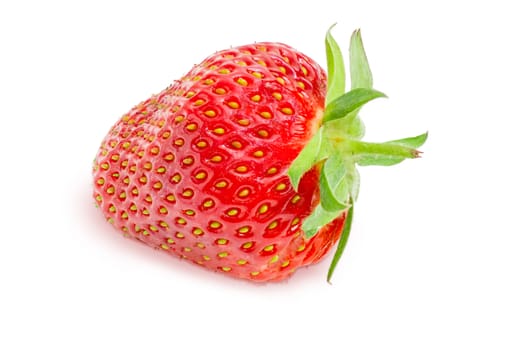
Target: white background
{"x":425,"y":264}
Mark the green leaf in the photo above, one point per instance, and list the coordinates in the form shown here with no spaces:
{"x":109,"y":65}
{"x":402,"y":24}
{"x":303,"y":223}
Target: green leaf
{"x":334,"y":191}
{"x":336,"y":68}
{"x":307,"y":158}
{"x":350,"y":101}
{"x":344,"y":237}
{"x":387,"y":153}
{"x":317,"y":219}
{"x":413,"y":142}
{"x":361,"y":75}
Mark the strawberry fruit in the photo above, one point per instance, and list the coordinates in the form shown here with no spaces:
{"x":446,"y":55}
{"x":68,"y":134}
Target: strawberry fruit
{"x":247,"y":165}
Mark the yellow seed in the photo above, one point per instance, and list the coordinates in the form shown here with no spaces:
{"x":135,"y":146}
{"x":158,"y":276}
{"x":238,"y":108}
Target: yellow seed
{"x":263,"y":209}
{"x":224,"y":71}
{"x":257,"y":75}
{"x":280,"y":80}
{"x":243,"y":122}
{"x":163,"y":224}
{"x":258,"y":154}
{"x":236,"y":144}
{"x":169,"y":157}
{"x":135,"y":191}
{"x":122,"y":195}
{"x":282,"y":69}
{"x":98,"y":198}
{"x":164,"y":246}
{"x":244,"y":193}
{"x":153,"y":228}
{"x":232,"y":212}
{"x":179,"y":235}
{"x":179,"y":142}
{"x":187,"y":249}
{"x":188,"y":160}
{"x":301,"y":248}
{"x":272,"y":171}
{"x":233,"y":104}
{"x":242,"y":63}
{"x":263,"y":133}
{"x":223,"y":254}
{"x":210,"y":113}
{"x":241,"y":169}
{"x":287,"y":110}
{"x":145,"y":233}
{"x":216,"y":159}
{"x":200,"y":245}
{"x":100,"y":181}
{"x":296,"y":198}
{"x":148,"y":199}
{"x":241,"y":262}
{"x":197,"y":231}
{"x":161,"y":170}
{"x":285,"y":264}
{"x":209,"y":81}
{"x":166,"y":135}
{"x":256,"y":98}
{"x":304,"y":70}
{"x":105,"y":166}
{"x":268,"y":248}
{"x":215,"y":224}
{"x":178,"y":119}
{"x":226,"y":268}
{"x":201,"y":144}
{"x":274,"y":259}
{"x":266,"y":114}
{"x":143,"y":179}
{"x":157,"y":185}
{"x":244,"y":229}
{"x":187,"y":193}
{"x":255,"y":273}
{"x":273,"y":225}
{"x":199,"y":102}
{"x":220,"y":91}
{"x":208,"y":203}
{"x":281,"y":187}
{"x":112,"y":209}
{"x":155,"y":150}
{"x":124,"y":215}
{"x":191,"y":127}
{"x":170,"y":241}
{"x":261,"y":63}
{"x":145,"y":212}
{"x":301,"y":85}
{"x":163,"y":210}
{"x":277,"y":96}
{"x":206,"y":258}
{"x":133,"y":207}
{"x":176,"y":178}
{"x":170,"y":198}
{"x":242,"y":81}
{"x":201,"y":175}
{"x":295,"y":221}
{"x":221,"y":184}
{"x":219,"y":131}
{"x":222,"y":241}
{"x":181,"y":221}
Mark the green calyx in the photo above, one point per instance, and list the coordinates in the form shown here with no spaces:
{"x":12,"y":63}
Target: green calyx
{"x":336,"y":148}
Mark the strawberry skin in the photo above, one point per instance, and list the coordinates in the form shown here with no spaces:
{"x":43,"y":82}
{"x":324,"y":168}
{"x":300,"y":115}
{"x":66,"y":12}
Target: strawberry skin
{"x":200,"y":169}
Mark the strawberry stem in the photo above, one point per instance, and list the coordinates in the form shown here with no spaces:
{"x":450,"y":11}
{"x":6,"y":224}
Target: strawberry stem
{"x":337,"y":147}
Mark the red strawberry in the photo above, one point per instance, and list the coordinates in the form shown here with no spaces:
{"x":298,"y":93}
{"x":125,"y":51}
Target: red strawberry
{"x":247,"y":164}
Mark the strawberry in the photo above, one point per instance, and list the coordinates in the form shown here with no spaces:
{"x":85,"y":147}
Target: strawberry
{"x":247,"y":164}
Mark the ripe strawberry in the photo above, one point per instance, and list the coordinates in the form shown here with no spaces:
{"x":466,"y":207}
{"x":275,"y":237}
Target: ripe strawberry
{"x":247,"y":164}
